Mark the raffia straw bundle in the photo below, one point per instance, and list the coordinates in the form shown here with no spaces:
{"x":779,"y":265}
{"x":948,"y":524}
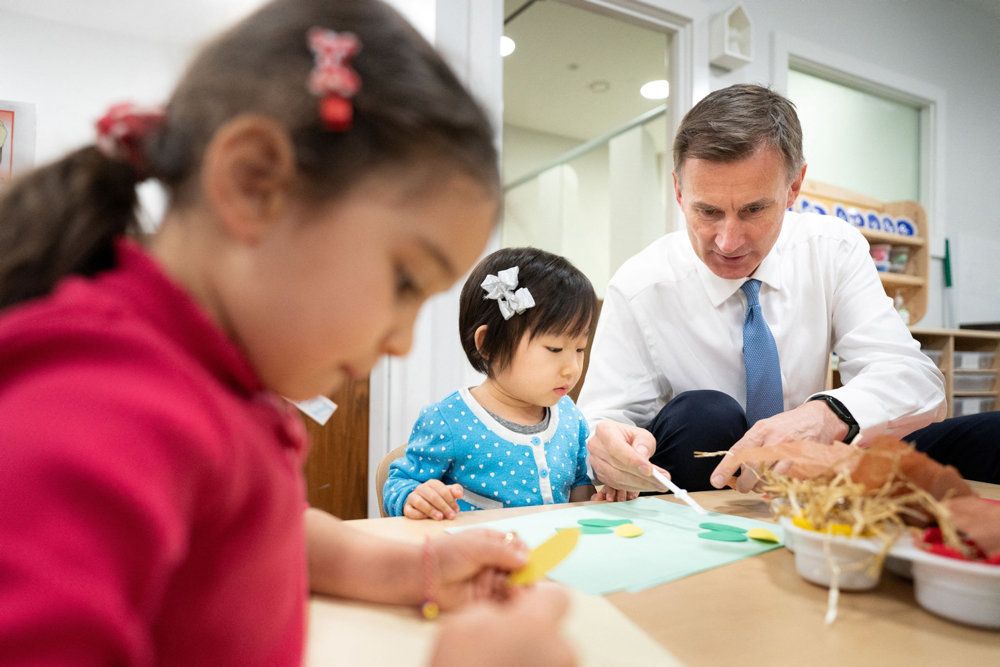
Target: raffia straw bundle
{"x":837,"y":489}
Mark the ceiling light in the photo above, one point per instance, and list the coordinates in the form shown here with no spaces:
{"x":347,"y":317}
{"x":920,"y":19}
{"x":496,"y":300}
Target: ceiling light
{"x":506,"y":46}
{"x":655,"y":90}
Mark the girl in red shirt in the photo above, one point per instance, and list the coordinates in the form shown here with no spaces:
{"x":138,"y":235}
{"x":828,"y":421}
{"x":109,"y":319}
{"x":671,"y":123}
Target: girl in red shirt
{"x":326,"y":174}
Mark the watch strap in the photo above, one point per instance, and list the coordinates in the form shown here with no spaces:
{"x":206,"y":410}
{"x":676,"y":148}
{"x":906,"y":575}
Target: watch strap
{"x":842,"y":413}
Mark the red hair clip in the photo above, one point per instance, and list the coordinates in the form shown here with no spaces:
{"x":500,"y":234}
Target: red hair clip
{"x":332,"y":78}
{"x":121,"y":131}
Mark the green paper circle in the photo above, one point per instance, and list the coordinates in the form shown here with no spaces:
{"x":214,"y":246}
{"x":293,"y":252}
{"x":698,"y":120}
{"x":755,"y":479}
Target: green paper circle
{"x":602,"y":522}
{"x":723,"y":536}
{"x":722,"y":526}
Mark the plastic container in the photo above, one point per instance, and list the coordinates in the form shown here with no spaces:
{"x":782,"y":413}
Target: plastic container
{"x":899,"y":255}
{"x":974,"y":381}
{"x":973,"y":360}
{"x":880,"y":253}
{"x":934,"y":355}
{"x":971,"y":405}
{"x":817,"y":553}
{"x":955,"y":589}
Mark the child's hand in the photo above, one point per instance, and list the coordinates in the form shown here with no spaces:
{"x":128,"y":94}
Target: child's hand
{"x":524,"y":631}
{"x":433,"y":500}
{"x":614,"y":495}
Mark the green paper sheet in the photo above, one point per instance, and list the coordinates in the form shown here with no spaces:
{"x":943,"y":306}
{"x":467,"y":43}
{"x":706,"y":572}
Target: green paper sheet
{"x":668,"y":549}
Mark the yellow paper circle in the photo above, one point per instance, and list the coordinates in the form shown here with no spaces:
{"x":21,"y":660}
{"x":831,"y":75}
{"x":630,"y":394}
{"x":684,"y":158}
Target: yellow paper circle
{"x":628,"y":530}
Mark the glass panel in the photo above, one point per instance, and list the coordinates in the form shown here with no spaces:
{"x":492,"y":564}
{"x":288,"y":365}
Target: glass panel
{"x":858,"y":140}
{"x":583,"y":151}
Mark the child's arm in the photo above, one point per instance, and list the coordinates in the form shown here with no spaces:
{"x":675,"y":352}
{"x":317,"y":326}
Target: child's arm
{"x":427,"y":459}
{"x":613,"y":495}
{"x":350,"y":563}
{"x":433,"y":500}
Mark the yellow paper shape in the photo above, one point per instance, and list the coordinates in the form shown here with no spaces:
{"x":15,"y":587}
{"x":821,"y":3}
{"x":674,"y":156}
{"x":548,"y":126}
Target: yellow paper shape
{"x":762,"y":535}
{"x":546,"y":556}
{"x":628,"y":530}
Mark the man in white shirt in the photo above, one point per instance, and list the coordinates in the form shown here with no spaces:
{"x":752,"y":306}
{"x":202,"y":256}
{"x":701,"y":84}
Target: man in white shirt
{"x":666,"y":374}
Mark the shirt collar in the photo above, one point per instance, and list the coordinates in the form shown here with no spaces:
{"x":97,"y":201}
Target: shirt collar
{"x":768,"y":273}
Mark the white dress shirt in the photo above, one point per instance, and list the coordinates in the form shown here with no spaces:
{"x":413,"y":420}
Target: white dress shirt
{"x":669,"y":325}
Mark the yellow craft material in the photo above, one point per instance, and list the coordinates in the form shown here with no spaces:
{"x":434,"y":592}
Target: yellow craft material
{"x":762,"y":535}
{"x":802,"y":522}
{"x":628,"y":530}
{"x":840,"y":529}
{"x":546,"y":556}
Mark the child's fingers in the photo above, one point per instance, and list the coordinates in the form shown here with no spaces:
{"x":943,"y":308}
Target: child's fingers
{"x":438,"y":499}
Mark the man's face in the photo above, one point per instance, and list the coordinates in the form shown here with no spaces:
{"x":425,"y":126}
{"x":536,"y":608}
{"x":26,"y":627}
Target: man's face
{"x":734,"y":209}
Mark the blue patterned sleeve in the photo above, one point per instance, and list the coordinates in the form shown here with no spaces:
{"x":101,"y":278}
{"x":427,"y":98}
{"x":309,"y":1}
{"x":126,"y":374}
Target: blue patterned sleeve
{"x":428,"y":456}
{"x":582,"y":478}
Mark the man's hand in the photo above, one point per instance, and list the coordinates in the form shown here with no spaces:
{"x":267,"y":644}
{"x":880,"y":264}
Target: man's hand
{"x":620,"y":455}
{"x":812,"y":420}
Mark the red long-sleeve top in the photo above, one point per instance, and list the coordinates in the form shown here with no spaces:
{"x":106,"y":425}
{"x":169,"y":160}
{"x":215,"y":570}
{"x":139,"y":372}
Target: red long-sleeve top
{"x":151,"y":495}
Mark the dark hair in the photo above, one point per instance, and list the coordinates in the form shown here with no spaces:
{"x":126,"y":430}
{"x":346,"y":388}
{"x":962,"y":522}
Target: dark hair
{"x":565,"y":303}
{"x":411,"y":111}
{"x":731,"y":124}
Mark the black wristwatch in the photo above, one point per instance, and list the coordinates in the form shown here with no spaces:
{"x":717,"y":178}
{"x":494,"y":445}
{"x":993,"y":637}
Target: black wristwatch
{"x":842,"y":413}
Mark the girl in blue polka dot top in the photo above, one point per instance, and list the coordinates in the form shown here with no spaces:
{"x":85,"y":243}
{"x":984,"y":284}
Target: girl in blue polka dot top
{"x":517,"y":438}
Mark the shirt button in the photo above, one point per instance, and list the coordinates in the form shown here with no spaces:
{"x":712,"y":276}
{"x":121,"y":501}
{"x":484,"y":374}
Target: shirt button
{"x":543,"y":473}
{"x":535,"y":440}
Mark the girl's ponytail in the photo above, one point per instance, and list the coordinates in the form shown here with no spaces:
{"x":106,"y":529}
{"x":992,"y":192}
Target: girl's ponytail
{"x":62,"y":219}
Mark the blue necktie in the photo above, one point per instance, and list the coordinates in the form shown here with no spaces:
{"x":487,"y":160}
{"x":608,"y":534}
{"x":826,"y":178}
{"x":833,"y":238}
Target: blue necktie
{"x":760,"y":359}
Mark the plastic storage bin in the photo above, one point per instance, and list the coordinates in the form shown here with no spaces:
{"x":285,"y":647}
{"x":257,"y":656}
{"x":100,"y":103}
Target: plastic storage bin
{"x":971,"y":405}
{"x":934,"y":355}
{"x":973,"y":360}
{"x":974,"y":381}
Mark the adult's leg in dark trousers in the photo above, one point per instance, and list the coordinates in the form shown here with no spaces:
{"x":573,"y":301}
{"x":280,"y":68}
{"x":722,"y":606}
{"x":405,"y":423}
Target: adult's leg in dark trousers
{"x":971,"y":443}
{"x":693,"y":421}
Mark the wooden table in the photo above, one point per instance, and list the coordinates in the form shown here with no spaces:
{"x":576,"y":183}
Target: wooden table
{"x":759,"y":610}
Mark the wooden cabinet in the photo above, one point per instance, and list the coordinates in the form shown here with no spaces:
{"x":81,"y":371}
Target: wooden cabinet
{"x":336,"y":471}
{"x":910,"y":283}
{"x":970,"y":361}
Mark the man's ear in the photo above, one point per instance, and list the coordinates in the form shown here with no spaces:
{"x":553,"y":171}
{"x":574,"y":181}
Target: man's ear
{"x":795,"y":187}
{"x":677,"y":190}
{"x":478,"y":337}
{"x":248,"y":170}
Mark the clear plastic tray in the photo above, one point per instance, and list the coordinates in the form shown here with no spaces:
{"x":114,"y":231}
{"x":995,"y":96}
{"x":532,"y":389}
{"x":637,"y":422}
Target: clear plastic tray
{"x":973,"y":360}
{"x":934,"y":355}
{"x":971,"y":405}
{"x":974,"y":381}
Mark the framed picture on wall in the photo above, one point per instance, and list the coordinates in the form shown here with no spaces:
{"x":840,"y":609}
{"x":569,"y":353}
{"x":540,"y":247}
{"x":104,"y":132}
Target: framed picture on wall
{"x":17,"y":138}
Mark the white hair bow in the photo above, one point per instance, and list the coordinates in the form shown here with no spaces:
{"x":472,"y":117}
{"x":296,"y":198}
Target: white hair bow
{"x":503,"y":289}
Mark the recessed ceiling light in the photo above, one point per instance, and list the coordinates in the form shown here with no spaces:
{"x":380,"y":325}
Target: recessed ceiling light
{"x":655,"y":90}
{"x":506,"y":46}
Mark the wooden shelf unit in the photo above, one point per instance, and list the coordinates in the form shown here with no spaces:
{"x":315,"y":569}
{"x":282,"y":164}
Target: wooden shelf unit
{"x":969,"y":388}
{"x":910,"y":284}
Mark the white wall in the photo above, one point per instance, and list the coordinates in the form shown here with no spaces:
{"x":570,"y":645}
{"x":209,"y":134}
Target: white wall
{"x":947,"y":45}
{"x":73,"y":75}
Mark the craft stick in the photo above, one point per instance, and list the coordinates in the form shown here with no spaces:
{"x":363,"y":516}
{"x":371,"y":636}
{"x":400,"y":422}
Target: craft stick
{"x":679,"y":492}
